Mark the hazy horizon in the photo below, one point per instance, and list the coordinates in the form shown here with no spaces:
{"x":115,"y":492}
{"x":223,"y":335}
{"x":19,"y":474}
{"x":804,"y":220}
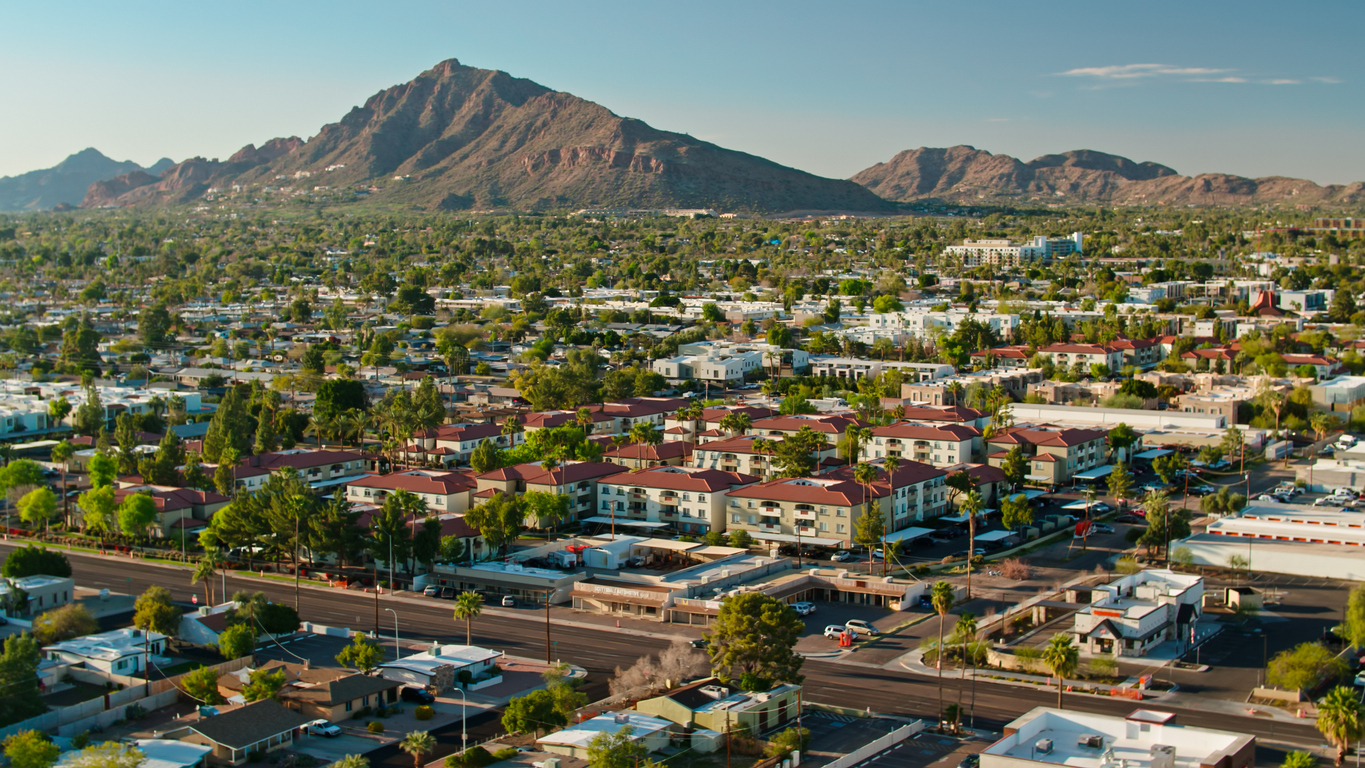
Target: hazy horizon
{"x":1213,"y":87}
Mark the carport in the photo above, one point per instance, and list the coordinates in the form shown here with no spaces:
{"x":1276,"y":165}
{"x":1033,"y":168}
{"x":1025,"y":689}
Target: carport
{"x":1092,"y":476}
{"x":906,"y":535}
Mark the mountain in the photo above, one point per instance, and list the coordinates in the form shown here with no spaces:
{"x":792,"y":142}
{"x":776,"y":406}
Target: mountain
{"x":65,"y":182}
{"x":459,"y":138}
{"x":968,"y":174}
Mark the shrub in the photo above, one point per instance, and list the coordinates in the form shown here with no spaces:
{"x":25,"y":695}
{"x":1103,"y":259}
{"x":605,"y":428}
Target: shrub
{"x":362,"y":713}
{"x":375,"y":727}
{"x":475,"y":757}
{"x":506,"y":753}
{"x":1016,"y":568}
{"x":423,"y":712}
{"x":465,"y":677}
{"x":255,"y":757}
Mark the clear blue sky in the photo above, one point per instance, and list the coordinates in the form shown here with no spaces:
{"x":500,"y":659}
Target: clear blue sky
{"x":1247,"y":87}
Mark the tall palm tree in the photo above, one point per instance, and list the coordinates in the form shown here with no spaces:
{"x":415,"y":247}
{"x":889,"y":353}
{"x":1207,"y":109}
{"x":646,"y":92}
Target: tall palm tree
{"x":1341,"y":719}
{"x":1322,"y":425}
{"x":511,"y":427}
{"x":955,"y":390}
{"x":583,"y":417}
{"x":966,"y":635}
{"x":468,"y":606}
{"x":762,"y":445}
{"x":865,"y":475}
{"x":1062,"y":658}
{"x":736,"y":423}
{"x":322,"y":425}
{"x":417,"y":744}
{"x":61,"y":454}
{"x":971,"y":504}
{"x":854,"y":440}
{"x":942,"y":597}
{"x":645,"y":433}
{"x":205,"y":569}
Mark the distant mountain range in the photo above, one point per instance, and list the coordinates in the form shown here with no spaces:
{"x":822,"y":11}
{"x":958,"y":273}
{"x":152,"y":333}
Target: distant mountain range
{"x":459,"y":138}
{"x":964,"y":174}
{"x":66,"y":183}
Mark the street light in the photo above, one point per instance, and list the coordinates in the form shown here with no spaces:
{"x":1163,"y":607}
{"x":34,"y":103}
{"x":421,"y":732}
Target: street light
{"x":464,"y":736}
{"x":397,"y":653}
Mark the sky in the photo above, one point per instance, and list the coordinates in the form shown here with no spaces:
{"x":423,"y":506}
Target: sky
{"x":1249,"y":87}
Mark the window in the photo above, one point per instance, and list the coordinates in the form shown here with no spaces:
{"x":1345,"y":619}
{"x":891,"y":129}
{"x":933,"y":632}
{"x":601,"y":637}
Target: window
{"x":841,"y":512}
{"x":824,"y":526}
{"x":700,"y":497}
{"x":349,"y":704}
{"x":839,"y":528}
{"x":751,"y":520}
{"x":734,"y":518}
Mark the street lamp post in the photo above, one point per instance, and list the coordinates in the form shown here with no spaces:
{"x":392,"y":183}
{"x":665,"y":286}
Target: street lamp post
{"x":397,"y":652}
{"x":464,"y":735}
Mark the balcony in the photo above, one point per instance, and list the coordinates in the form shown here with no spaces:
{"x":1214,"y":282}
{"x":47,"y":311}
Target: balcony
{"x":636,"y":506}
{"x":770,"y":527}
{"x":807,"y":530}
{"x":805,"y":514}
{"x":770,"y":511}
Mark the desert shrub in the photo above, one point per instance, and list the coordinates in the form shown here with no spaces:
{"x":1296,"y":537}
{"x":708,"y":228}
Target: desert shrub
{"x":506,"y":753}
{"x":475,"y":757}
{"x":423,"y":712}
{"x":1102,"y":666}
{"x":375,"y":727}
{"x":1016,"y":568}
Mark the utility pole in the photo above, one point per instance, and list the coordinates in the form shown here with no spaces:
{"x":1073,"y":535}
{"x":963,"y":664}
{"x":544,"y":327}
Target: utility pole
{"x":547,"y":626}
{"x":296,"y":559}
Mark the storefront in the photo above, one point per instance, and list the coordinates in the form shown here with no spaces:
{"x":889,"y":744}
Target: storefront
{"x":615,"y":598}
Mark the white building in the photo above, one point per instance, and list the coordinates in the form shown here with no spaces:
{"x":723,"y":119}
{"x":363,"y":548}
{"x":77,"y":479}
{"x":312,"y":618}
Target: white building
{"x":119,"y":652}
{"x":1144,"y":739}
{"x":923,"y":323}
{"x":1005,"y":253}
{"x":690,"y":499}
{"x":857,"y":368}
{"x":440,"y":666}
{"x":652,"y":732}
{"x":1132,"y":614}
{"x":1295,"y":539}
{"x":24,"y":404}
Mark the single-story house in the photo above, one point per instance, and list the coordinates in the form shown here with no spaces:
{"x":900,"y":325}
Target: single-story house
{"x":653,"y":732}
{"x":439,"y":669}
{"x":261,"y":726}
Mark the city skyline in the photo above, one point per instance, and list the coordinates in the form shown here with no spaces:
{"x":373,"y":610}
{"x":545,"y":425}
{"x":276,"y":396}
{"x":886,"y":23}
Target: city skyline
{"x":1201,"y":89}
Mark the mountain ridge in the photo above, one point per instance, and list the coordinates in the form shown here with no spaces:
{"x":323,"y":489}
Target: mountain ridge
{"x":66,"y":183}
{"x":966,"y":174}
{"x":458,"y":137}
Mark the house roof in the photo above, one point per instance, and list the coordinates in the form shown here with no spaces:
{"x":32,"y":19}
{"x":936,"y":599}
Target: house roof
{"x":419,"y":481}
{"x":683,"y":479}
{"x":1047,"y":434}
{"x":169,"y":499}
{"x":569,"y":472}
{"x":833,"y":425}
{"x":249,"y":724}
{"x":832,"y":491}
{"x":672,"y":449}
{"x":341,"y":690}
{"x":912,"y":431}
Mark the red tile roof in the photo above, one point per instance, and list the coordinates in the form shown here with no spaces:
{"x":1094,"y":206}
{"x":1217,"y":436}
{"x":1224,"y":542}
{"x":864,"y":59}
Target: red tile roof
{"x":683,"y":479}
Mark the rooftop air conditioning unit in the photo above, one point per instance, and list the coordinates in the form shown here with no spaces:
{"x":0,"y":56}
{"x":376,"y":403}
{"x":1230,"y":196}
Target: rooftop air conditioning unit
{"x":1091,"y":740}
{"x":1043,"y":746}
{"x":1163,"y":756}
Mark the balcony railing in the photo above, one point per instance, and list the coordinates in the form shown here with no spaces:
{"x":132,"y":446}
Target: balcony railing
{"x":805,"y":514}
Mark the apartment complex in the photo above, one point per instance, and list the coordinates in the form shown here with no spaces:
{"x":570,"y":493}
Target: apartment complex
{"x":689,"y":499}
{"x":1055,"y":454}
{"x":1005,"y":253}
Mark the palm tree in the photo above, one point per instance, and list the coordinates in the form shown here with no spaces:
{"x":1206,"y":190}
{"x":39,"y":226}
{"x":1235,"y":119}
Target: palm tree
{"x":966,"y":635}
{"x":971,"y":504}
{"x":1341,"y":719}
{"x":352,"y":761}
{"x":854,"y":440}
{"x":1062,"y":658}
{"x":645,"y":433}
{"x":955,"y":389}
{"x":865,"y":475}
{"x":942,"y":597}
{"x":736,"y":423}
{"x":510,"y":428}
{"x":583,"y":417}
{"x":61,"y":454}
{"x":762,"y":445}
{"x":467,"y":608}
{"x":204,"y":570}
{"x":1321,"y":424}
{"x":418,"y":743}
{"x":322,"y":425}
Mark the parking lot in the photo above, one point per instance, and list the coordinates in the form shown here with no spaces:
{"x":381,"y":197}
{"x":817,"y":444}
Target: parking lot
{"x":833,"y":735}
{"x":926,"y":749}
{"x":827,"y":613}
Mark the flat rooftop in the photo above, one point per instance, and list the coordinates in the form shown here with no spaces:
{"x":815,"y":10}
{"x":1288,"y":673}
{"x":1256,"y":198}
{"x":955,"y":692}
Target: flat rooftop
{"x":1123,"y":741}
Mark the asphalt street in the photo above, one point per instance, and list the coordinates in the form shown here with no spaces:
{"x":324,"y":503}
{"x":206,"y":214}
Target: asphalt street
{"x":600,"y":650}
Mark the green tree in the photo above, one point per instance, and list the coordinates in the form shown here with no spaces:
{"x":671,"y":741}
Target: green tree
{"x":418,"y":743}
{"x":754,"y":638}
{"x":31,"y":749}
{"x":485,"y":457}
{"x":1299,"y":759}
{"x":1120,"y":482}
{"x":532,"y":713}
{"x":108,"y":754}
{"x":363,"y":654}
{"x":35,"y":561}
{"x":1304,"y":666}
{"x":202,"y":685}
{"x":499,"y":520}
{"x":237,"y":641}
{"x":870,"y":528}
{"x":136,"y":514}
{"x":1341,"y":718}
{"x":70,"y":621}
{"x":616,"y":750}
{"x":1015,"y":512}
{"x":98,"y":509}
{"x":1121,"y":438}
{"x":1015,"y":467}
{"x":1169,"y":466}
{"x":103,"y":469}
{"x":942,"y":597}
{"x":38,"y":506}
{"x":789,"y":740}
{"x":468,"y":606}
{"x":19,"y":678}
{"x":1353,"y":628}
{"x":154,"y":611}
{"x":263,"y":684}
{"x":1062,"y":658}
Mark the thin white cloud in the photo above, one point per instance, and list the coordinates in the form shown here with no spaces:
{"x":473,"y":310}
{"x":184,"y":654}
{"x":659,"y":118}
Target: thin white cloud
{"x":1135,"y":71}
{"x":1130,"y":74}
{"x":997,"y":119}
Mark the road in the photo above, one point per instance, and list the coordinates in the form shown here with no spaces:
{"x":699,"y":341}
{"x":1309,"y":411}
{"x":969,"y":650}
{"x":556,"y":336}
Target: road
{"x":599,"y":650}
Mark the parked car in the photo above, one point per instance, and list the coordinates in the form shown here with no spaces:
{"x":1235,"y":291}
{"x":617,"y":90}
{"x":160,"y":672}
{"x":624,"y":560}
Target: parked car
{"x":860,"y":626}
{"x":447,"y":593}
{"x":1129,"y":519}
{"x":833,"y":631}
{"x":1202,"y":490}
{"x":432,"y":591}
{"x":701,"y":643}
{"x":1269,"y":499}
{"x":803,"y":608}
{"x":509,"y":602}
{"x":842,"y":556}
{"x":322,"y":728}
{"x":416,"y":695}
{"x":1100,"y":508}
{"x":970,"y":761}
{"x":1101,"y":528}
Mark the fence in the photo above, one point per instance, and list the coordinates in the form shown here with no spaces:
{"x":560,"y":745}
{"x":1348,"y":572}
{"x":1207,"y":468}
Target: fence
{"x":880,"y":745}
{"x":103,"y":710}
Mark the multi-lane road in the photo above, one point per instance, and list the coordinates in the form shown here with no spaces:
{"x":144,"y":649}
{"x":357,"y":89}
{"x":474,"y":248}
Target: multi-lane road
{"x":844,"y":682}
